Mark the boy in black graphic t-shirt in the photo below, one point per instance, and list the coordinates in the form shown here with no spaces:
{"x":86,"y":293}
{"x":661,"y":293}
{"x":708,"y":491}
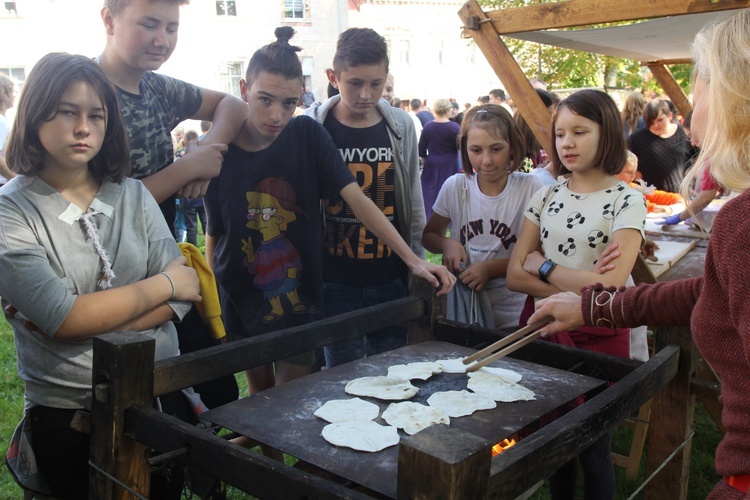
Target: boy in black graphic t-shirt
{"x":378,"y":144}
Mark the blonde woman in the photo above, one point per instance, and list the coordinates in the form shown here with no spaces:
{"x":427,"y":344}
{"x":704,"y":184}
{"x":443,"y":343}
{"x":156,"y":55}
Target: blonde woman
{"x":714,"y":305}
{"x":632,"y":112}
{"x":438,"y":152}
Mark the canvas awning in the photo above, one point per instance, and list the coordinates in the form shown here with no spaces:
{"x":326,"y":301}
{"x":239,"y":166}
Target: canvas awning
{"x":665,"y":39}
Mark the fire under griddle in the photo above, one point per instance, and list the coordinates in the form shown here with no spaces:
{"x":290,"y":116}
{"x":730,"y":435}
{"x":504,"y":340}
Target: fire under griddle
{"x":282,"y":417}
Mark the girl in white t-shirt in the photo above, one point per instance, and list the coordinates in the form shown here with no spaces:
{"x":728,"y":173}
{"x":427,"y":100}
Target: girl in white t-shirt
{"x":483,"y":209}
{"x":566,"y":244}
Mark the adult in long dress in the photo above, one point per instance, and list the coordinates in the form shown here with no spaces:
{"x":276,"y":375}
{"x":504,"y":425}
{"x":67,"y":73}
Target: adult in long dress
{"x":438,"y":151}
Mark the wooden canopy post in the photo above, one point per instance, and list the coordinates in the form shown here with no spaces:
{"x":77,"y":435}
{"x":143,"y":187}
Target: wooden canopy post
{"x":668,"y":83}
{"x":525,"y":98}
{"x":123,"y":376}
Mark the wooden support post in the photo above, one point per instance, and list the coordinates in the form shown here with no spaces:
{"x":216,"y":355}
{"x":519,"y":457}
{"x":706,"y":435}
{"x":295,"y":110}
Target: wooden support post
{"x":488,"y":40}
{"x":672,"y":413}
{"x":123,"y":376}
{"x":668,"y":83}
{"x":442,"y":462}
{"x":421,"y":330}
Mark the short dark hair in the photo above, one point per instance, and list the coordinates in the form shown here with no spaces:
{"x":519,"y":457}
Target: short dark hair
{"x":652,"y":110}
{"x":500,"y":93}
{"x":597,"y":106}
{"x":49,"y":79}
{"x":117,"y":6}
{"x":496,"y":120}
{"x":278,"y":58}
{"x":358,"y":46}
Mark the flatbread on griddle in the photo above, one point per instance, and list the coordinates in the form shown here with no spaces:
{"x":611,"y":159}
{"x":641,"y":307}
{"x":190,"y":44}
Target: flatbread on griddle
{"x":460,"y":403}
{"x":360,"y":435}
{"x":455,"y":365}
{"x":387,"y":388}
{"x":413,"y":417}
{"x":347,"y":410}
{"x":508,"y":375}
{"x":421,"y":370}
{"x":497,"y":388}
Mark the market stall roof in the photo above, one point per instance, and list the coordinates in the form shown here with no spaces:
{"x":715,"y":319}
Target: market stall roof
{"x":664,"y":39}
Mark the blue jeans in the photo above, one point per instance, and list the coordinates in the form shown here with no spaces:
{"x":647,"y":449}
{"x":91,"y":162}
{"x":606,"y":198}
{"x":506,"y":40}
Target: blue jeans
{"x":345,"y":298}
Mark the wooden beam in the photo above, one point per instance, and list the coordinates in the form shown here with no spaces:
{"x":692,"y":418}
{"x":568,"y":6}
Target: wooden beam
{"x":524,"y":96}
{"x":442,"y":462}
{"x":570,"y":13}
{"x":122,"y":377}
{"x":421,"y":329}
{"x":207,"y":364}
{"x":554,"y":445}
{"x":674,"y":91}
{"x":241,"y":467}
{"x":668,"y":62}
{"x":672,"y":413}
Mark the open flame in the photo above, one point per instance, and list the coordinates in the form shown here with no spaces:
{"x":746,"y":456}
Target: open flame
{"x":503,"y":445}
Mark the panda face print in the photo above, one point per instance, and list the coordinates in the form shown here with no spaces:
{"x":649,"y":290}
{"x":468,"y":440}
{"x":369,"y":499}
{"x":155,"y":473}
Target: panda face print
{"x":597,"y":237}
{"x":608,"y":211}
{"x":575,"y":219}
{"x":568,"y":248}
{"x":554,"y":208}
{"x":533,"y":211}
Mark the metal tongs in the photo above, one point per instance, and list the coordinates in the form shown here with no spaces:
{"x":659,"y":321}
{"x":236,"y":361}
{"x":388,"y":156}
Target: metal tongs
{"x":517,"y":339}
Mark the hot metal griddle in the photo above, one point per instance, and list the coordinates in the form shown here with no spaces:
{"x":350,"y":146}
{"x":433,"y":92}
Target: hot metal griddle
{"x":282,"y":417}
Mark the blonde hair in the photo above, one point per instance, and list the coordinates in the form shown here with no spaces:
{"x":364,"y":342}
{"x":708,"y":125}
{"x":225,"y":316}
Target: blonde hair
{"x":442,"y":106}
{"x":722,"y":60}
{"x":632,"y":110}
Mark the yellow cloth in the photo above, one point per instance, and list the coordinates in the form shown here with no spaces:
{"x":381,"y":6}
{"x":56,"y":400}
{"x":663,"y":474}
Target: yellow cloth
{"x":210,"y":307}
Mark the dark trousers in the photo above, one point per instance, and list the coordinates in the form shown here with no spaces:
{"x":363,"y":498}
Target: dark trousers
{"x":191,"y":223}
{"x":598,"y":473}
{"x":62,"y":453}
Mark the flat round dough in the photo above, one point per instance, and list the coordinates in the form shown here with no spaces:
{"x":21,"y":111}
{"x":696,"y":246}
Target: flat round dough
{"x":497,"y":388}
{"x":508,"y":375}
{"x":413,"y":417}
{"x":460,"y":403}
{"x":455,"y":365}
{"x":362,"y":436}
{"x":391,"y":389}
{"x":347,"y":410}
{"x":421,"y":370}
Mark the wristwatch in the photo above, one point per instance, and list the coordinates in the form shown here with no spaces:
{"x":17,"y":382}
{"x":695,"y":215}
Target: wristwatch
{"x":545,"y":269}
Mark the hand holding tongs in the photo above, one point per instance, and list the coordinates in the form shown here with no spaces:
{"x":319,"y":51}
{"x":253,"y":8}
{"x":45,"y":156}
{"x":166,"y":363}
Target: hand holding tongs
{"x":517,"y":339}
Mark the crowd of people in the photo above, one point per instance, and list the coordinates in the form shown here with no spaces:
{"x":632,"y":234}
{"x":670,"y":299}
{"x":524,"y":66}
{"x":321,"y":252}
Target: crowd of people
{"x":92,"y":179}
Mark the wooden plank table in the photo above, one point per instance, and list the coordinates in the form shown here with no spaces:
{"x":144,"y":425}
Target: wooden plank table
{"x":282,"y":417}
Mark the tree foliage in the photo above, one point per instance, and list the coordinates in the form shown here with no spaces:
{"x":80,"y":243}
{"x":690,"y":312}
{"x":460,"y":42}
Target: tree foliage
{"x":565,"y":68}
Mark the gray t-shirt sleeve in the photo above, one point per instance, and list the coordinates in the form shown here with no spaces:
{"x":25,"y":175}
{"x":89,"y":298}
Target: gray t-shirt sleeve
{"x":24,"y":261}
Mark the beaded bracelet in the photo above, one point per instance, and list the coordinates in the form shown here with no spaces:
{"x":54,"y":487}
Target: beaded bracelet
{"x":171,"y":283}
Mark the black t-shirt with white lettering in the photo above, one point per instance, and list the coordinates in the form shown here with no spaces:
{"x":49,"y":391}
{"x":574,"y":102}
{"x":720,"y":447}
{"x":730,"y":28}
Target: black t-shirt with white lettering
{"x":352,"y":254}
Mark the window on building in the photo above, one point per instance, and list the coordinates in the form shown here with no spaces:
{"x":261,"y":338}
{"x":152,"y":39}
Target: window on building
{"x":10,"y":9}
{"x":295,"y":10}
{"x":230,"y":75}
{"x":16,"y":74}
{"x":226,"y":8}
